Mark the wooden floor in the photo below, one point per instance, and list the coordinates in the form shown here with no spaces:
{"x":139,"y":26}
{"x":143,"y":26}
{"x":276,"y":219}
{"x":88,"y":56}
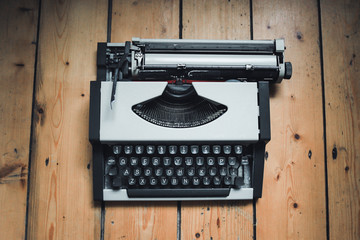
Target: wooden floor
{"x":312,"y":171}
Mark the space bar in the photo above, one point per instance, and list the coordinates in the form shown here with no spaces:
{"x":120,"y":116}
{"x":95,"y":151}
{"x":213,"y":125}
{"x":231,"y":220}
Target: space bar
{"x":188,"y":192}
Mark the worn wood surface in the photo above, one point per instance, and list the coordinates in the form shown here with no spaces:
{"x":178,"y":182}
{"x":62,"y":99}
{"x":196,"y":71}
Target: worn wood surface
{"x":60,"y":204}
{"x":216,"y":219}
{"x":293,"y":202}
{"x":341,"y":44}
{"x":18,"y":24}
{"x":60,"y":194}
{"x":158,"y":220}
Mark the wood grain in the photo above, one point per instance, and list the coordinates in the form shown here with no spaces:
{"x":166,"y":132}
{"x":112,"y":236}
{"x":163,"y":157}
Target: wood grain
{"x":293,"y":202}
{"x":216,"y":219}
{"x":60,"y":204}
{"x":341,"y":49}
{"x":158,"y":220}
{"x":144,"y":19}
{"x":216,"y":19}
{"x":18,"y":24}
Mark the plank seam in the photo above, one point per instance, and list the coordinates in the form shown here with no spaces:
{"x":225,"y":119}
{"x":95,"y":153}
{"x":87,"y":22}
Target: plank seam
{"x":180,"y":18}
{"x":32,"y":120}
{"x":251,"y":20}
{"x":109,"y":21}
{"x":324,"y":120}
{"x":102,"y":221}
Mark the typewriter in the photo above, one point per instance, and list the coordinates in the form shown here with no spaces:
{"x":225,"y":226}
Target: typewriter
{"x":176,"y":119}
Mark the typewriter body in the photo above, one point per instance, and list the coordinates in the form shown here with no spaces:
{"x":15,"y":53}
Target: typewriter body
{"x":182,"y":119}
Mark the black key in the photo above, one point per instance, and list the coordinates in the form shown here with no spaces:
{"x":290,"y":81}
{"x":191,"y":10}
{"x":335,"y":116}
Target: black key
{"x":167,"y":161}
{"x":202,"y":171}
{"x":117,"y":149}
{"x":188,"y":161}
{"x":145,"y":161}
{"x":123,"y":161}
{"x":196,"y":181}
{"x":180,"y":172}
{"x":113,"y":171}
{"x":153,"y":181}
{"x":205,"y":149}
{"x":223,"y":171}
{"x":178,"y":192}
{"x":227,"y":149}
{"x":216,"y":149}
{"x":199,"y":161}
{"x":227,"y":180}
{"x":161,"y":149}
{"x":212,"y":171}
{"x":172,"y":149}
{"x":150,"y":149}
{"x":174,"y":181}
{"x":238,"y":149}
{"x":139,"y":149}
{"x":217,"y":181}
{"x":134,"y":161}
{"x":210,"y":161}
{"x":232,"y":161}
{"x":191,"y":171}
{"x":116,"y":182}
{"x":132,"y":181}
{"x":111,"y":161}
{"x":164,"y":181}
{"x":156,"y":161}
{"x":128,"y":149}
{"x":159,"y":172}
{"x":142,"y":181}
{"x":126,"y":172}
{"x":169,"y":172}
{"x":233,"y":171}
{"x":148,"y":171}
{"x":183,"y":149}
{"x":244,"y":160}
{"x":137,"y":172}
{"x":238,"y":182}
{"x":185,"y":181}
{"x":194,"y":149}
{"x":178,"y":161}
{"x":221,"y":161}
{"x":206,"y":181}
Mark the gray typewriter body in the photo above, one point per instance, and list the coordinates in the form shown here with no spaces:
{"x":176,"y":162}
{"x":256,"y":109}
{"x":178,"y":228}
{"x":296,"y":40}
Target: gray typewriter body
{"x":182,"y":119}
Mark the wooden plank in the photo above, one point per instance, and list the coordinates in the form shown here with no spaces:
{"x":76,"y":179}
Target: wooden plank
{"x":341,"y":50}
{"x":61,"y":204}
{"x":216,"y":219}
{"x":18,"y":24}
{"x":216,"y":19}
{"x":145,"y":19}
{"x":293,"y":202}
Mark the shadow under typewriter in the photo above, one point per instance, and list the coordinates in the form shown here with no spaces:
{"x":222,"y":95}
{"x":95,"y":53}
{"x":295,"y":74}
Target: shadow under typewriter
{"x":179,"y":106}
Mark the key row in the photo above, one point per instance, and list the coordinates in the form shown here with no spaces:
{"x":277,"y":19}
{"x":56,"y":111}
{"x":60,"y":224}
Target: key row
{"x":172,"y":181}
{"x":169,"y":172}
{"x":174,"y":149}
{"x":177,"y":161}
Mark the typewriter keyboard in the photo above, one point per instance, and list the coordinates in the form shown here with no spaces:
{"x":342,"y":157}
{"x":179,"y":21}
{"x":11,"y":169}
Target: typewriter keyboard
{"x":177,"y":170}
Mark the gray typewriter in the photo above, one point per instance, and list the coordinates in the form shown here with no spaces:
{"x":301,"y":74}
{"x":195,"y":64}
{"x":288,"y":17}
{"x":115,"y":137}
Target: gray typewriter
{"x":179,"y":119}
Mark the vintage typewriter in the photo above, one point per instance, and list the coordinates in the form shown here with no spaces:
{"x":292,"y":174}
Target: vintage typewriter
{"x":182,"y":119}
